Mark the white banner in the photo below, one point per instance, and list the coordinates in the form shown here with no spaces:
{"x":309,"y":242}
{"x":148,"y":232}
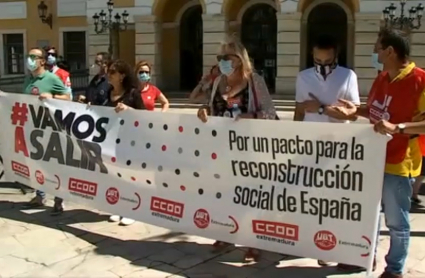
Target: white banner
{"x":305,"y":189}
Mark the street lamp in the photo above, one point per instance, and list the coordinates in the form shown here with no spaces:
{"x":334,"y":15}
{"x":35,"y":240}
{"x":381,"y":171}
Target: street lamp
{"x":106,"y":22}
{"x":42,"y":13}
{"x":411,"y":22}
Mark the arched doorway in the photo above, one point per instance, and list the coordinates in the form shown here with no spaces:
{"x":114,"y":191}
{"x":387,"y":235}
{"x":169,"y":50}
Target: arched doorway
{"x":259,"y":35}
{"x":331,"y":19}
{"x":191,"y":46}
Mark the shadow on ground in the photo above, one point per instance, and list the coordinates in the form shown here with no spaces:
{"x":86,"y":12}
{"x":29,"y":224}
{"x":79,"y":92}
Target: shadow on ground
{"x":197,"y":260}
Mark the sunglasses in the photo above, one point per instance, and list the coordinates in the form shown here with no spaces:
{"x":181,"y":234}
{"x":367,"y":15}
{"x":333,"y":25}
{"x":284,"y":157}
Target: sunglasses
{"x":144,"y":71}
{"x":225,"y":57}
{"x":34,"y":57}
{"x":51,"y":54}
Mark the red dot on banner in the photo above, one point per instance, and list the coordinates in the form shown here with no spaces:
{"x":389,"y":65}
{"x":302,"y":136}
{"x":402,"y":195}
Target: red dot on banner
{"x":136,"y":123}
{"x":164,"y":148}
{"x":133,"y":178}
{"x":180,"y":128}
{"x":113,"y":159}
{"x":182,"y":187}
{"x":214,"y":156}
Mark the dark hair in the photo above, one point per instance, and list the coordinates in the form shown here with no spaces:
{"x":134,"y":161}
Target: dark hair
{"x":398,"y":40}
{"x":130,"y":80}
{"x":106,"y":57}
{"x":325,"y":42}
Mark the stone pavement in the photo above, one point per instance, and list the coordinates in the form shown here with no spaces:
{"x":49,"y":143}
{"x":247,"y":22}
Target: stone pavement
{"x":82,"y":243}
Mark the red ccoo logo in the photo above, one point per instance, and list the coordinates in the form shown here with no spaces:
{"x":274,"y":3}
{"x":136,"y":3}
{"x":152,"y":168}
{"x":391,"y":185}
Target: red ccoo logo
{"x":39,"y":177}
{"x":325,"y":240}
{"x":275,"y":229}
{"x":21,"y":169}
{"x":112,"y":195}
{"x":167,"y":207}
{"x":82,"y":187}
{"x":201,"y":219}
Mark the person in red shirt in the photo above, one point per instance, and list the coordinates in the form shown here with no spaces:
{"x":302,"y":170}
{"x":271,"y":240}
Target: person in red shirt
{"x":395,"y":106}
{"x":51,"y":64}
{"x":150,"y":93}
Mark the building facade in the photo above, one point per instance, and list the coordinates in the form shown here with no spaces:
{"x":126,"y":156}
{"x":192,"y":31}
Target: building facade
{"x":181,"y":37}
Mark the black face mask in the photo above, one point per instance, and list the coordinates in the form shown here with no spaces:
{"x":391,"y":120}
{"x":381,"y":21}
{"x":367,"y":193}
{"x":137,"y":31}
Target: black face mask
{"x":326,"y":69}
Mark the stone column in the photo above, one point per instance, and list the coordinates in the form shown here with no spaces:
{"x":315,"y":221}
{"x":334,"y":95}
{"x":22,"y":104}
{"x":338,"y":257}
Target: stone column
{"x":214,"y":26}
{"x":148,"y":44}
{"x":366,"y":32}
{"x":418,"y":46}
{"x":97,"y":43}
{"x":288,"y":52}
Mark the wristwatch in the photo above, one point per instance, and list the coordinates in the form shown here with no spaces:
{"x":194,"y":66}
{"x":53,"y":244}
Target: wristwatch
{"x":401,"y":128}
{"x":321,"y":109}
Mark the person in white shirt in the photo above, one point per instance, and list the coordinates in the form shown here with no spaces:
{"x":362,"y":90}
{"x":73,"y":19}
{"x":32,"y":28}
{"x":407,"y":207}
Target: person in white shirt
{"x":320,"y":88}
{"x":323,"y":87}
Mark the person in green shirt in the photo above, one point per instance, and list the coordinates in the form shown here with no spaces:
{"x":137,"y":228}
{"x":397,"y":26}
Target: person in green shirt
{"x":43,"y":84}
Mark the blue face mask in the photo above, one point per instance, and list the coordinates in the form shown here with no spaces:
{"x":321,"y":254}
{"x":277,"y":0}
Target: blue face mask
{"x":51,"y":60}
{"x":31,"y":64}
{"x":226,"y":67}
{"x":375,"y":62}
{"x":144,"y":77}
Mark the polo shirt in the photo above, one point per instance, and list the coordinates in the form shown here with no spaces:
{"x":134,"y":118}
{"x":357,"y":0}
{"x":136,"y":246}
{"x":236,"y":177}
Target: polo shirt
{"x":46,"y":82}
{"x":341,"y":83}
{"x":412,"y":163}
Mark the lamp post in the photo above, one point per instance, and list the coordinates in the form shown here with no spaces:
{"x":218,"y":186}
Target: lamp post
{"x":107,"y":22}
{"x":42,"y":13}
{"x":402,"y":22}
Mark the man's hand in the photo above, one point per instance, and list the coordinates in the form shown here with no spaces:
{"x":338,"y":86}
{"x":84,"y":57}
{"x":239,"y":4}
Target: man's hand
{"x":313,"y":105}
{"x":347,"y":108}
{"x":385,"y":127}
{"x":45,"y":96}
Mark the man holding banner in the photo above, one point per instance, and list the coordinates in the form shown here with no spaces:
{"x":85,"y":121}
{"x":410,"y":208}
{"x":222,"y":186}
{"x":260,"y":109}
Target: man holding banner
{"x":395,"y":106}
{"x":43,"y":84}
{"x":319,"y":87}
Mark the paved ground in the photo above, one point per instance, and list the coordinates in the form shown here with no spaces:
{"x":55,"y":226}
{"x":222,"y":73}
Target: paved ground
{"x":82,"y":243}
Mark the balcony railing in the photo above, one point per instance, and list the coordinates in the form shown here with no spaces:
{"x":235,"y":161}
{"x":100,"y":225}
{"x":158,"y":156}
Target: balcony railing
{"x":79,"y":81}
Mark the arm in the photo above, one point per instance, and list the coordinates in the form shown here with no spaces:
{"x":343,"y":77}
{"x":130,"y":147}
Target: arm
{"x":418,"y":124}
{"x":162,"y":99}
{"x":58,"y":90}
{"x":198,"y":93}
{"x":299,"y":112}
{"x":265,"y":102}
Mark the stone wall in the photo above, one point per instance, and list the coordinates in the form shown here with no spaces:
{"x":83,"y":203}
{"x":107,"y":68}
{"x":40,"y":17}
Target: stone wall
{"x":288,"y":52}
{"x":366,"y":31}
{"x":148,"y":45}
{"x":214,"y":32}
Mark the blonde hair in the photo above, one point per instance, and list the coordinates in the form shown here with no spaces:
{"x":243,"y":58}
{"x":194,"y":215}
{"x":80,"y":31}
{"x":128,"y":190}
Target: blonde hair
{"x":232,"y":42}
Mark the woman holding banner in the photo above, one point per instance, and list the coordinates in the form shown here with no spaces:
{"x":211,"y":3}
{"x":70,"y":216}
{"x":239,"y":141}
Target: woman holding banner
{"x":124,"y":94}
{"x":237,"y":93}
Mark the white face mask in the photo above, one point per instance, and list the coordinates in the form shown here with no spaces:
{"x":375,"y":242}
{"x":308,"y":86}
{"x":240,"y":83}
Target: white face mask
{"x":375,"y":62}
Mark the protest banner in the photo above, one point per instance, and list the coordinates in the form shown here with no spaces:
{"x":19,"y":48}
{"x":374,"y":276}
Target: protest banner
{"x":305,"y":189}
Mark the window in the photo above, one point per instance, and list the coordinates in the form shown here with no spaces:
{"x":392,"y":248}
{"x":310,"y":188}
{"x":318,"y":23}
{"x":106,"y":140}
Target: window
{"x":13,"y":53}
{"x":74,"y":50}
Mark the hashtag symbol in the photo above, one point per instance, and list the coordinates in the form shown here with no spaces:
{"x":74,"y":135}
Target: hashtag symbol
{"x":19,"y":114}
